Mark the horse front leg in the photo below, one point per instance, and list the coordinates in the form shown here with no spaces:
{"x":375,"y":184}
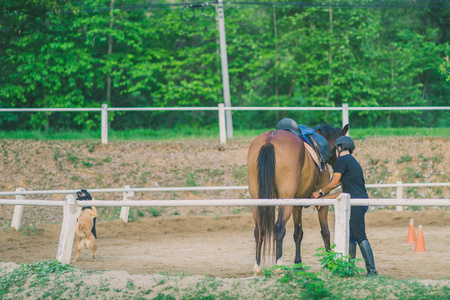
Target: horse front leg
{"x":298,"y":232}
{"x":280,"y":231}
{"x":324,"y":230}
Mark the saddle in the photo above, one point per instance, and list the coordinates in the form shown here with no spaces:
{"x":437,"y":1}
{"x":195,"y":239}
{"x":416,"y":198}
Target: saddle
{"x":318,"y":145}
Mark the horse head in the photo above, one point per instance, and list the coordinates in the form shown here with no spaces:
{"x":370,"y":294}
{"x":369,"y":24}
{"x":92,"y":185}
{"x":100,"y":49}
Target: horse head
{"x":331,"y":134}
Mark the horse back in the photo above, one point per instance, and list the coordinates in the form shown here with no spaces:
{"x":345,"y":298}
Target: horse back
{"x":292,"y":165}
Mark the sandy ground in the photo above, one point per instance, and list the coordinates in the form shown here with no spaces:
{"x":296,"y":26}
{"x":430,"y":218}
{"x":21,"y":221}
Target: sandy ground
{"x":214,"y":241}
{"x":224,"y":246}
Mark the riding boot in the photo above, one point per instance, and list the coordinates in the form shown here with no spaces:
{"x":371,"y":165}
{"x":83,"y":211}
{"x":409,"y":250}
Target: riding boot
{"x":352,"y":250}
{"x":367,"y":254}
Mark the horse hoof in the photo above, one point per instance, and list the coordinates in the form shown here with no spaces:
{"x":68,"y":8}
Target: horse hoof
{"x":278,"y":272}
{"x":257,"y":270}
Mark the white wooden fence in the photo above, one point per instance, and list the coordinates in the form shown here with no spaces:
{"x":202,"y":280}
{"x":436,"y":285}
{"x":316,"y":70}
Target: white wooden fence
{"x":128,"y":193}
{"x":222,"y":109}
{"x":72,"y":209}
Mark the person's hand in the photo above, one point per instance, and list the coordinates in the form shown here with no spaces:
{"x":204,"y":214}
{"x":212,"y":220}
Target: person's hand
{"x":315,"y":195}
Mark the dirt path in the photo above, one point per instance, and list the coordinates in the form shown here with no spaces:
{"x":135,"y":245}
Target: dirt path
{"x":224,"y":247}
{"x":216,"y":241}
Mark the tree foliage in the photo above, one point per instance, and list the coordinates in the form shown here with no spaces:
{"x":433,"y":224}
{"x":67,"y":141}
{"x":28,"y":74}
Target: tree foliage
{"x":65,"y":54}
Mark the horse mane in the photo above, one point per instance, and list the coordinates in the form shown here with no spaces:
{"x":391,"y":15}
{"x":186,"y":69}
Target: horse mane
{"x":328,"y":131}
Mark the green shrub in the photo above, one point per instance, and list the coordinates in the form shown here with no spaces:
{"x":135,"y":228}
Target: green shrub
{"x":336,"y":263}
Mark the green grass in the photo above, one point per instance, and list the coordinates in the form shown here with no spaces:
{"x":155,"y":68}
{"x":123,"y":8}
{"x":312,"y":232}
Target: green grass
{"x":205,"y":133}
{"x":53,"y":280}
{"x":405,"y":131}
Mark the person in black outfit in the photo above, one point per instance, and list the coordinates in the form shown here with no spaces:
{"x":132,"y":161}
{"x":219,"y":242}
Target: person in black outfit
{"x":349,"y":173}
{"x":84,"y":195}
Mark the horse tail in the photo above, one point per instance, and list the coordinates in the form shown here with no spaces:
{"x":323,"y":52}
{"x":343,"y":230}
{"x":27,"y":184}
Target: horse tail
{"x":267,"y":190}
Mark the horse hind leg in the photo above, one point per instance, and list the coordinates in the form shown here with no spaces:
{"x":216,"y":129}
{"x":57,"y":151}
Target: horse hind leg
{"x":257,"y":269}
{"x":286,"y":189}
{"x":259,"y":240}
{"x":280,"y":231}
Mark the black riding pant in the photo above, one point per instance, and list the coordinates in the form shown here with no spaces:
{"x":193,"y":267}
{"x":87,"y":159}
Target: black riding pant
{"x":358,"y":224}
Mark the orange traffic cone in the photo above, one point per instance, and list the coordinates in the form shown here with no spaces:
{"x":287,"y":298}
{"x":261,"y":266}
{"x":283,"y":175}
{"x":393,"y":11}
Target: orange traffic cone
{"x":420,"y":243}
{"x":411,"y":238}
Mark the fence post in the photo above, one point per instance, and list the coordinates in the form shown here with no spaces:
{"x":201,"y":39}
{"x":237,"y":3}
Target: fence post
{"x":222,"y":131}
{"x":399,"y":195}
{"x":342,"y":223}
{"x":67,"y":229}
{"x":104,"y":123}
{"x":124,"y":212}
{"x":345,"y":116}
{"x":18,"y":211}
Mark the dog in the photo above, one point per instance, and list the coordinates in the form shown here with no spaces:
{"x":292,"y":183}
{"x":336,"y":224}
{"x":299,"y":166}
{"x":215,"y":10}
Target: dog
{"x":84,"y":232}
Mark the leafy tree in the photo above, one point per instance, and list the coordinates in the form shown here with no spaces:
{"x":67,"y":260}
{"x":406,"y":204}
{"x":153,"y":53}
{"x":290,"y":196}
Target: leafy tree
{"x":63,"y":53}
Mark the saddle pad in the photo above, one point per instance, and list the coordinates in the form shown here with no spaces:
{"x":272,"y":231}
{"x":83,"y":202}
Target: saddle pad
{"x":313,"y":155}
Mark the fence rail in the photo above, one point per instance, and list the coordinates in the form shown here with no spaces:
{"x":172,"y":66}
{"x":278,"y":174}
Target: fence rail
{"x":127,"y":188}
{"x":221,"y":109}
{"x":232,"y":202}
{"x":128,"y":192}
{"x":342,"y":205}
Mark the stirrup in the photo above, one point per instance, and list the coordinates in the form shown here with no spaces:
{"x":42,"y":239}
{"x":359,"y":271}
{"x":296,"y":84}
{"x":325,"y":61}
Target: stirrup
{"x":323,"y":164}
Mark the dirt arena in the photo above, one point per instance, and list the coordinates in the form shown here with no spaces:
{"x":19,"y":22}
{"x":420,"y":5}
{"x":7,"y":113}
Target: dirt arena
{"x":215,"y":241}
{"x":224,"y":247}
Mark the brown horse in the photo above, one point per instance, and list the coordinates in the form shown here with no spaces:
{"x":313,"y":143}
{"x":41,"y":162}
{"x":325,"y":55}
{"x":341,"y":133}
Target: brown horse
{"x":279,"y":166}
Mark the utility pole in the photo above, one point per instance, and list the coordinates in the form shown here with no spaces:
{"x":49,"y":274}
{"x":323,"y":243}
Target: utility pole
{"x":110,"y":49}
{"x":224,"y":59}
